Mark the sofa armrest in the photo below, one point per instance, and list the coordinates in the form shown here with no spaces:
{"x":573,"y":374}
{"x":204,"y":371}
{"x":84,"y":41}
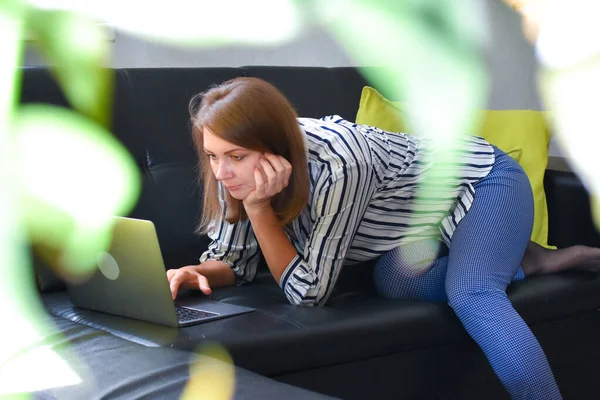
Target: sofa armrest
{"x":570,"y":218}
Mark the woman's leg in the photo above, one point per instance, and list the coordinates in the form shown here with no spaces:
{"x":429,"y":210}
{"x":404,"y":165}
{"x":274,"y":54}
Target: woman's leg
{"x":413,"y":271}
{"x":485,"y":253}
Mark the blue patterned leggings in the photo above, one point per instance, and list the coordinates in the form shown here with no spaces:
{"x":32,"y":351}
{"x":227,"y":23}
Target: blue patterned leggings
{"x":472,"y":276}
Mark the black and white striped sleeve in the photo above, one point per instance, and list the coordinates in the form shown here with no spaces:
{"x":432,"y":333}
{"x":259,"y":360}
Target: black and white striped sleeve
{"x":236,"y":246}
{"x":338,"y":207}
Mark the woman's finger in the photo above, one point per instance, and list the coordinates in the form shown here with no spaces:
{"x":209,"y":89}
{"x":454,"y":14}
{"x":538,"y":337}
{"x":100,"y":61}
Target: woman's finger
{"x":285,"y":163}
{"x":287,"y":170}
{"x":170,"y":274}
{"x":279,"y":170}
{"x":275,"y":161}
{"x":259,"y":181}
{"x":271,"y":176}
{"x":175,"y":283}
{"x":203,"y":285}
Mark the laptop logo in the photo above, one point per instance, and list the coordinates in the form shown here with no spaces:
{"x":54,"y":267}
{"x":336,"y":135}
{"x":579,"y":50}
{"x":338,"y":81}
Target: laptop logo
{"x":108,"y":265}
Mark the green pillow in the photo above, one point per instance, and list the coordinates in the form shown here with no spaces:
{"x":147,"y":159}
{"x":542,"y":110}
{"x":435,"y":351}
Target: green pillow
{"x":523,"y":134}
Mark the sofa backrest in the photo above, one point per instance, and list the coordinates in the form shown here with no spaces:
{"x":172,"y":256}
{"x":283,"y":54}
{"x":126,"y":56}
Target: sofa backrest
{"x":151,"y":119}
{"x":39,"y":86}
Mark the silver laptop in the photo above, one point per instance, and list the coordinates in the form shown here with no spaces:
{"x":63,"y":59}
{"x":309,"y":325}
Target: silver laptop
{"x":131,"y":281}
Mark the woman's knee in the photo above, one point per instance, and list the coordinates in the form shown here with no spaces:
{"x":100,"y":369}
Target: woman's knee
{"x":413,"y":259}
{"x":412,"y":271}
{"x":470,"y":298}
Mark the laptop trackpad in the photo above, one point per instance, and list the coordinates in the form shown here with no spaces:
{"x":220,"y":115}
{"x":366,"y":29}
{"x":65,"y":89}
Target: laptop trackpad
{"x":204,"y":304}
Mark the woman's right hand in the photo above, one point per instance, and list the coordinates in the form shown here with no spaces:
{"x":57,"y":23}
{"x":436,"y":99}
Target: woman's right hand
{"x":271,"y":176}
{"x":188,"y":278}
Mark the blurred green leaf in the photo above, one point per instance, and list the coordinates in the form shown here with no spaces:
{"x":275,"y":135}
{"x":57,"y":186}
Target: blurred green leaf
{"x":19,"y":304}
{"x":573,"y":94}
{"x":35,"y":368}
{"x":212,"y":375}
{"x":78,"y":54}
{"x":11,"y":27}
{"x":12,"y":8}
{"x":74,"y":178}
{"x":433,"y":49}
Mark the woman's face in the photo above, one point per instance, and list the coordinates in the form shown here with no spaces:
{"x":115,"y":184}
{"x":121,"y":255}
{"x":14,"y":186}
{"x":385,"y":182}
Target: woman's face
{"x":232,"y":165}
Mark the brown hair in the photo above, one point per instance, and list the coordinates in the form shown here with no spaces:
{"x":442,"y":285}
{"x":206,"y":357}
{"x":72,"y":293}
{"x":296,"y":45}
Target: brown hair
{"x":253,"y":114}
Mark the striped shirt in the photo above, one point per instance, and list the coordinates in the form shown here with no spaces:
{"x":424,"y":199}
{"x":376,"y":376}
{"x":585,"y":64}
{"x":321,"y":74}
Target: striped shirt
{"x":366,"y":198}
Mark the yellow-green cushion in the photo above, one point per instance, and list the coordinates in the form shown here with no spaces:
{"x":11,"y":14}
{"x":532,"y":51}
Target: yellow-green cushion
{"x":523,"y":134}
{"x":515,"y":153}
{"x":376,"y":110}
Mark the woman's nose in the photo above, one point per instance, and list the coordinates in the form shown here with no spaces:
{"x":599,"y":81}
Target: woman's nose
{"x":223,"y":171}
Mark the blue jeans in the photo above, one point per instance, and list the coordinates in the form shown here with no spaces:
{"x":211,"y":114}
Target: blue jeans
{"x":484,"y":256}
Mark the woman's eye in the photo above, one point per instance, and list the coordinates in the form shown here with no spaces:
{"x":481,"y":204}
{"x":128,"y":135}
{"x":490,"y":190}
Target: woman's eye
{"x":212,"y":156}
{"x":237,"y":158}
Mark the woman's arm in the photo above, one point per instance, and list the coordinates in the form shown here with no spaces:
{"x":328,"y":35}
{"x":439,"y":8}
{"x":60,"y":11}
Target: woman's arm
{"x":271,"y":176}
{"x":231,"y":258}
{"x":309,"y":278}
{"x":217,"y":273}
{"x":276,"y":248}
{"x":338,"y":210}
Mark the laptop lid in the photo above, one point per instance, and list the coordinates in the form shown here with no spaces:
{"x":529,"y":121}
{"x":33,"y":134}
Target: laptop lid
{"x":130,"y":280}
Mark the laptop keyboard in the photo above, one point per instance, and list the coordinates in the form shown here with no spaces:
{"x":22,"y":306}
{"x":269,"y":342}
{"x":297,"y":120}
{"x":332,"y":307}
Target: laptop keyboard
{"x":187,"y":314}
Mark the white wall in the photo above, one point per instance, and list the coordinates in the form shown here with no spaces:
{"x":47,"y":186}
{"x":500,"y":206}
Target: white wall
{"x":315,"y":47}
{"x":510,"y":59}
{"x":512,"y":65}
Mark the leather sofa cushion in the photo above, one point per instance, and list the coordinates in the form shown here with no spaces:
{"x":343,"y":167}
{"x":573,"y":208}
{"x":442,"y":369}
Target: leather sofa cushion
{"x":162,"y":96}
{"x":39,"y":86}
{"x":569,"y":211}
{"x":315,"y":91}
{"x":171,"y":198}
{"x":113,"y":368}
{"x":278,"y":338}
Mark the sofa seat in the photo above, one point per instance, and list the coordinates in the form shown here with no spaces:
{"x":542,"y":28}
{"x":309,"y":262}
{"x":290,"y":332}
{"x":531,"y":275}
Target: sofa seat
{"x":113,"y":368}
{"x":278,"y":338}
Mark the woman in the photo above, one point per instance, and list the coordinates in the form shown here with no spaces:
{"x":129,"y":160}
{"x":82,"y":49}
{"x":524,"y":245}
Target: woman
{"x":315,"y":195}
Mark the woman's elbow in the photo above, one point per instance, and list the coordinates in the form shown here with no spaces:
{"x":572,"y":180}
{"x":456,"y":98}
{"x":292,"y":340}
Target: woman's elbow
{"x":296,"y":299}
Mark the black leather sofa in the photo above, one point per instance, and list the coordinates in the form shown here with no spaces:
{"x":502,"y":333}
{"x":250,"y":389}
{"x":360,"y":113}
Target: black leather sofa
{"x":358,"y":345}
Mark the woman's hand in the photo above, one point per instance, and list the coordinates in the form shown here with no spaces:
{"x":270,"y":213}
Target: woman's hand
{"x":271,"y":176}
{"x":187,"y":278}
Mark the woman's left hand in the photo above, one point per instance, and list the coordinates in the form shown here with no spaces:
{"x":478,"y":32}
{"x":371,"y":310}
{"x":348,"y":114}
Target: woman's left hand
{"x":271,"y":176}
